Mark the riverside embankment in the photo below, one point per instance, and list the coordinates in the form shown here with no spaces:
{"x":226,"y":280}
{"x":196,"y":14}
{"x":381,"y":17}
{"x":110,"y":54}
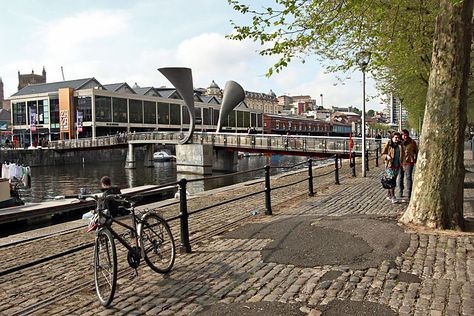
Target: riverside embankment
{"x":338,"y":252}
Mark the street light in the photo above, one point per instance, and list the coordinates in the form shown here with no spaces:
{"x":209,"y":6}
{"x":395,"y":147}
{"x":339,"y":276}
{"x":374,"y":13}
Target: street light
{"x":363,"y":59}
{"x":321,"y":95}
{"x":400,"y":115}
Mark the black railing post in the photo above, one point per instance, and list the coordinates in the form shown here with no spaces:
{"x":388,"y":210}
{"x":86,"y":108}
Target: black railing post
{"x":353,"y":164}
{"x":268,"y":202}
{"x":336,"y":173}
{"x":377,"y":157}
{"x":183,"y":208}
{"x":367,"y":160}
{"x":310,"y":177}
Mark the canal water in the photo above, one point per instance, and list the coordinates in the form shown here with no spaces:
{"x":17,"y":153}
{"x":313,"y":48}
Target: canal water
{"x":48,"y":182}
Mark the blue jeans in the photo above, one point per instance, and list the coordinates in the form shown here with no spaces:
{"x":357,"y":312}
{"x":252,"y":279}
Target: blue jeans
{"x":406,"y":174}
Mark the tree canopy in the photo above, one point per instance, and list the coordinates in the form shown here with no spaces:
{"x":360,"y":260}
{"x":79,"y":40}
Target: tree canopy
{"x":398,"y":33}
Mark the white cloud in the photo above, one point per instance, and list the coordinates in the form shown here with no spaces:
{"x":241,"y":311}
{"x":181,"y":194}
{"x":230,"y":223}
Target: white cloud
{"x":213,"y":57}
{"x":85,"y":32}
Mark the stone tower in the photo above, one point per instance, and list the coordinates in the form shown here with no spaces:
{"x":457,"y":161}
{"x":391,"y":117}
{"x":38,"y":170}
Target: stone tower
{"x":27,"y":79}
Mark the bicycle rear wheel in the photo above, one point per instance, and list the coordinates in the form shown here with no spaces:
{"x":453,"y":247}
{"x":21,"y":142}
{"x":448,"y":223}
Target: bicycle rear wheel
{"x":105,"y":267}
{"x":157,"y":242}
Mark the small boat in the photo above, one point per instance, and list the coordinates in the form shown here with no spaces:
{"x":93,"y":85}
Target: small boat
{"x":9,"y":195}
{"x":163,"y":156}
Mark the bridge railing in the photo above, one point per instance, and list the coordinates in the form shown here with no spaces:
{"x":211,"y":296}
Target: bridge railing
{"x":322,"y":144}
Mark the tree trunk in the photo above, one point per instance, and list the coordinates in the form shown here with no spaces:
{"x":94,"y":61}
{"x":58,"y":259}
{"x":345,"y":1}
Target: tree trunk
{"x":437,"y":197}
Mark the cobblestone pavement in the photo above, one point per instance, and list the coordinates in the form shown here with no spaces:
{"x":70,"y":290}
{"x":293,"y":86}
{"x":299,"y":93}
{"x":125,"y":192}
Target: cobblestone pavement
{"x":433,"y":275}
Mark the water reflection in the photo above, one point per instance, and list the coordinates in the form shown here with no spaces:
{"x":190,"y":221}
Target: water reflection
{"x":48,"y":182}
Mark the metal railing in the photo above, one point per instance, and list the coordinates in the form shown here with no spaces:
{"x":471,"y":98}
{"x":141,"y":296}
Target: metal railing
{"x":184,"y":214}
{"x":263,"y":142}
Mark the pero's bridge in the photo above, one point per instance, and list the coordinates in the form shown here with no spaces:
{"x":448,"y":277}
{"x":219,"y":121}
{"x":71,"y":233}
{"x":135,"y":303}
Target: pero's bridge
{"x":218,"y":151}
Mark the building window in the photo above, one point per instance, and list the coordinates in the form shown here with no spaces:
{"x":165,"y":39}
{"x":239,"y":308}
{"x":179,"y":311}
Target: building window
{"x":119,"y":107}
{"x":54,"y":113}
{"x":136,"y":111}
{"x":84,"y":105}
{"x":185,"y":112}
{"x":231,"y":118}
{"x":19,"y":113}
{"x":175,"y":114}
{"x":43,"y":109}
{"x":164,"y":113}
{"x":103,"y":109}
{"x":215,"y":117}
{"x":149,"y":109}
{"x":206,"y":116}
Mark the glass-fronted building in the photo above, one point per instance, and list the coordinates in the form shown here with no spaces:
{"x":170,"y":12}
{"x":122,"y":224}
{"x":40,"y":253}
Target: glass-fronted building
{"x":86,"y":108}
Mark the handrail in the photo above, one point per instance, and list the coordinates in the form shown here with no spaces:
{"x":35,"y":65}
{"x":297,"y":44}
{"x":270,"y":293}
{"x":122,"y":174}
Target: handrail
{"x":184,"y":214}
{"x":296,"y":143}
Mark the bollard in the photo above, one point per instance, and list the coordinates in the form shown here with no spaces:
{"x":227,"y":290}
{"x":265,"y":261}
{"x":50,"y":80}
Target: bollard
{"x":336,"y":173}
{"x":367,"y":160}
{"x":353,"y":164}
{"x":472,"y":147}
{"x":377,"y":157}
{"x":268,"y":202}
{"x":183,"y":215}
{"x":310,"y":177}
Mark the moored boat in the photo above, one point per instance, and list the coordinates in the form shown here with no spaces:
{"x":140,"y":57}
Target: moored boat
{"x":8,"y":196}
{"x":163,"y":156}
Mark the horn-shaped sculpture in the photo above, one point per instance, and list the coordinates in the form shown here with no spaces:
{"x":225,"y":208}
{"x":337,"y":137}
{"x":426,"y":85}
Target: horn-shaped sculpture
{"x":182,"y":80}
{"x":233,"y":95}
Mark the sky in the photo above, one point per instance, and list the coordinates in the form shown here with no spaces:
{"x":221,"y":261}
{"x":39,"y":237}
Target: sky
{"x":127,"y":41}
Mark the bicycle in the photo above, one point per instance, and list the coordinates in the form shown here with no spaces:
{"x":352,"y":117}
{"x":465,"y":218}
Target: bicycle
{"x":153,"y":241}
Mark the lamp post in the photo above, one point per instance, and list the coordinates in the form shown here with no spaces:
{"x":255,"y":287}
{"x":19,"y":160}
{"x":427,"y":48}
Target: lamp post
{"x":321,"y":95}
{"x":400,"y":115}
{"x":363,"y":59}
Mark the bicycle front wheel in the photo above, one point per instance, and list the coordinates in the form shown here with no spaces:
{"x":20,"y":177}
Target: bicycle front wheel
{"x":105,"y":267}
{"x":157,"y":242}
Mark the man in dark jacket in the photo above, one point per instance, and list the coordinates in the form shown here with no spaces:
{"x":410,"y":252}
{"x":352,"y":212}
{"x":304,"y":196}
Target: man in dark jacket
{"x":411,"y":152}
{"x":107,"y":189}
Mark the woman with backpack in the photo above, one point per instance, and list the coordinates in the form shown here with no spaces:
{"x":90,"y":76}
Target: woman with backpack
{"x":393,"y":154}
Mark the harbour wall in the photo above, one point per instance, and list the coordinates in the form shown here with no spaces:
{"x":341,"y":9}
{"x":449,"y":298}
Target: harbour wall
{"x":48,"y":157}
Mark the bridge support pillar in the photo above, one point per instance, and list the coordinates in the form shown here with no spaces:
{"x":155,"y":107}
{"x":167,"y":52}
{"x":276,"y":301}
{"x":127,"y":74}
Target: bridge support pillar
{"x":130,"y":162}
{"x":225,"y":160}
{"x":148,"y":160}
{"x":194,"y":158}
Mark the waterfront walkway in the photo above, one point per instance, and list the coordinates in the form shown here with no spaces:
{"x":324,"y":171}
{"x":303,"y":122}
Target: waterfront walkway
{"x":340,"y":252}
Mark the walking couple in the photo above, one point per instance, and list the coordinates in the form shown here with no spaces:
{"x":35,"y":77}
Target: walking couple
{"x":399,"y":155}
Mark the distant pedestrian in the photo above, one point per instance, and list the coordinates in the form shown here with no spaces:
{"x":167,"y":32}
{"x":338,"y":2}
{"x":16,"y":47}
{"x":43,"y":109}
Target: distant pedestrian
{"x":406,"y":171}
{"x":393,"y":154}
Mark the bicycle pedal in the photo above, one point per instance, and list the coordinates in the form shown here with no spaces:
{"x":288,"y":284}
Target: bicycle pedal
{"x":133,"y":275}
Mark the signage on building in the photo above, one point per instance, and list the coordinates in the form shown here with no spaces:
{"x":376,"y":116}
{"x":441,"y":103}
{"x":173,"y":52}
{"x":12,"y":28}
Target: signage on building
{"x":64,"y":120}
{"x":33,"y":119}
{"x":79,"y":121}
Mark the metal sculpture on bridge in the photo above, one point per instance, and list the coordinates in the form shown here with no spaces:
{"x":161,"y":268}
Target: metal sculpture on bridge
{"x":233,"y":95}
{"x":182,"y":79}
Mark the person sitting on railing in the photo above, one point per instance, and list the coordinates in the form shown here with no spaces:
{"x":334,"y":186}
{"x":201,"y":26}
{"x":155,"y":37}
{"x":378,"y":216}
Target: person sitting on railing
{"x":107,"y":189}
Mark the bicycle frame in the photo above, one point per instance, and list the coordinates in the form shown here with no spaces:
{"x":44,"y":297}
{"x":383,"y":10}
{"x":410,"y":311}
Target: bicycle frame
{"x":133,"y":230}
